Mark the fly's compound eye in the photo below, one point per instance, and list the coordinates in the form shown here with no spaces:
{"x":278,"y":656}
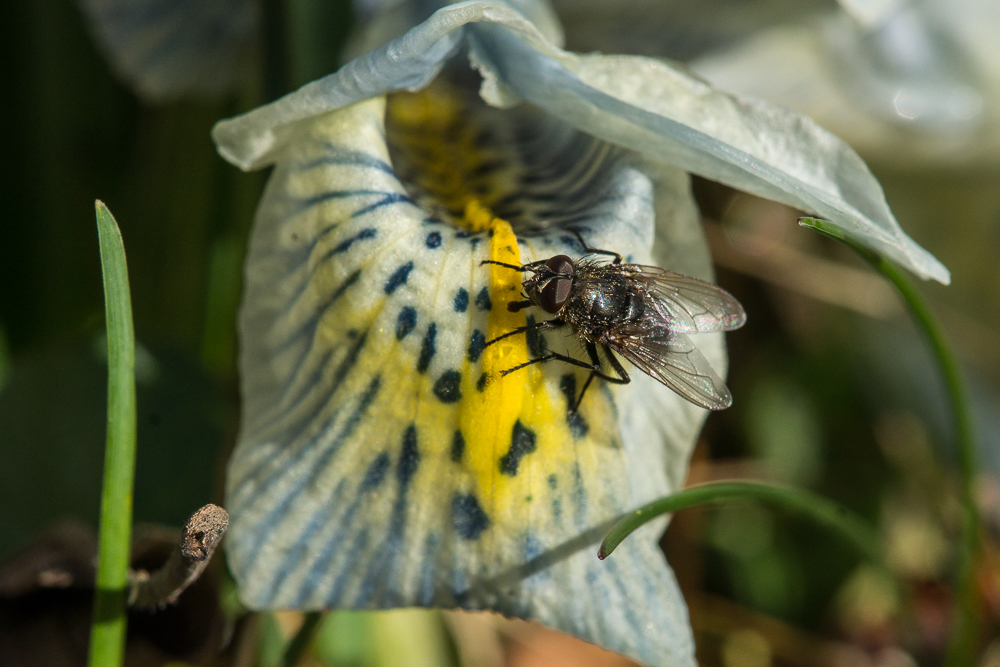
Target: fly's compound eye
{"x":555,"y":293}
{"x":560,"y":264}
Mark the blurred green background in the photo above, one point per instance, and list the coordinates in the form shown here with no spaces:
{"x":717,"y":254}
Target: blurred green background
{"x":839,"y":396}
{"x":74,"y":134}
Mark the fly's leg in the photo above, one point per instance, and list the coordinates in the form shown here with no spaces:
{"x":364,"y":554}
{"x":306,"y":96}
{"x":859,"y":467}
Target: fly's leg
{"x":549,"y":357}
{"x":596,"y":251}
{"x":622,"y":378}
{"x":545,"y":324}
{"x":515,"y":267}
{"x":530,"y":266}
{"x":596,"y":360}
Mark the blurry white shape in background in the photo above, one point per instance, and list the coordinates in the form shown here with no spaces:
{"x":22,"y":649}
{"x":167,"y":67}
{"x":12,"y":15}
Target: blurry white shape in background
{"x":165,"y":49}
{"x":900,"y":81}
{"x":871,"y":13}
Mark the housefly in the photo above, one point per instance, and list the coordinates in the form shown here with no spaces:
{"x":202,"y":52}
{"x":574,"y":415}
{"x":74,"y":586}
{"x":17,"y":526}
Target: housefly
{"x":642,"y":313}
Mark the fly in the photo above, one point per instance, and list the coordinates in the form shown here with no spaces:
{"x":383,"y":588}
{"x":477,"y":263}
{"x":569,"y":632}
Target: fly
{"x":642,"y":313}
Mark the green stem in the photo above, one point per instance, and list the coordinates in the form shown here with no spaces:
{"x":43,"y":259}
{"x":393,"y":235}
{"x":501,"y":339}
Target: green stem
{"x":302,"y":639}
{"x":107,"y":636}
{"x":965,"y":631}
{"x":821,"y":510}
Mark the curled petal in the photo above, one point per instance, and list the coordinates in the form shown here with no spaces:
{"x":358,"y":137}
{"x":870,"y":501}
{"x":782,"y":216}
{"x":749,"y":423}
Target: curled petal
{"x":659,"y":110}
{"x":410,"y":62}
{"x":640,"y":103}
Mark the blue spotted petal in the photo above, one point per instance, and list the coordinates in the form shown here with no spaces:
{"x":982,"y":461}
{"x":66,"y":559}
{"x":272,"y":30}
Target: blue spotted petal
{"x":363,"y":478}
{"x":644,"y":104}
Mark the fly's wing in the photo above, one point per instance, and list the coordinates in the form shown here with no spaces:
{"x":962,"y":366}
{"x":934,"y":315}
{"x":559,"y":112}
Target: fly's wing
{"x":672,"y":358}
{"x":689,"y":305}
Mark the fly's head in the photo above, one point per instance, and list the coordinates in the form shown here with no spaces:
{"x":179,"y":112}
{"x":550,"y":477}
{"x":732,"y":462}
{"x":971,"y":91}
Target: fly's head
{"x":550,"y":286}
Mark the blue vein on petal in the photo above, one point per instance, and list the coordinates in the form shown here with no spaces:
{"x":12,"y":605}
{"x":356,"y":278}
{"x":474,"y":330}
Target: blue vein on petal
{"x":389,"y":197}
{"x":341,"y":374}
{"x":310,"y":324}
{"x":296,"y":374}
{"x":381,"y":564}
{"x":395,"y":198}
{"x":271,"y":520}
{"x":405,"y":468}
{"x":358,"y":545}
{"x":613,"y":572}
{"x":295,"y":458}
{"x":347,"y":157}
{"x":300,"y":255}
{"x":579,"y":496}
{"x":373,"y":477}
{"x":300,"y":549}
{"x":345,"y":245}
{"x":322,"y":564}
{"x":427,"y":569}
{"x":306,"y":282}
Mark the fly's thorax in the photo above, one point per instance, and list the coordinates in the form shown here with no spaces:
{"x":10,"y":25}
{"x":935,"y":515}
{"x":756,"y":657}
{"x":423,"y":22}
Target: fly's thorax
{"x":602,"y":297}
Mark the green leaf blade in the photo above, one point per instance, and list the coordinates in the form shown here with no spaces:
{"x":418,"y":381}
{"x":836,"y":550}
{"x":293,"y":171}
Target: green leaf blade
{"x":107,"y":639}
{"x":820,"y":510}
{"x":965,"y":624}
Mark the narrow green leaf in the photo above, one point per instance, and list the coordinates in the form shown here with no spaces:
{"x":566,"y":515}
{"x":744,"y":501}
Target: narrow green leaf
{"x":821,"y":510}
{"x":966,"y":624}
{"x":107,"y":637}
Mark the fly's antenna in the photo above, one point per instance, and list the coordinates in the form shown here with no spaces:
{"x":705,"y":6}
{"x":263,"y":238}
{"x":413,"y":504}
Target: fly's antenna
{"x":515,"y":267}
{"x":530,"y":266}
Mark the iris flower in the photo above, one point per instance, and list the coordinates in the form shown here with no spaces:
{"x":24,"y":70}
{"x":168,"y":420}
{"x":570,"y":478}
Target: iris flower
{"x":383,"y":462}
